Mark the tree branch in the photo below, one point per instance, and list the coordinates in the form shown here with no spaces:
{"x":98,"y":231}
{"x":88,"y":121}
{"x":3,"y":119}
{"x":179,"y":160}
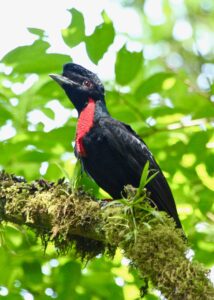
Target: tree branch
{"x":148,"y":238}
{"x":177,"y":126}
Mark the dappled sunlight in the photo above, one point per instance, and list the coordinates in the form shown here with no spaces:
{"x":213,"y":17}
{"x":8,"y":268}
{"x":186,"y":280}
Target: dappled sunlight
{"x":7,"y":131}
{"x":155,"y":59}
{"x":207,"y":180}
{"x":188,"y":160}
{"x":182,"y":30}
{"x":59,"y":118}
{"x":19,"y":88}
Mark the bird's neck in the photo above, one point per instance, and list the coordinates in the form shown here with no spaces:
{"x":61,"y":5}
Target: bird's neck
{"x":100,"y":110}
{"x":84,"y":124}
{"x":92,"y":112}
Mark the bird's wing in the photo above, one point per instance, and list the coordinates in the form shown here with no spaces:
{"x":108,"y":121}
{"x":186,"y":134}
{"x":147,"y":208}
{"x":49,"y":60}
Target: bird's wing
{"x":123,"y":140}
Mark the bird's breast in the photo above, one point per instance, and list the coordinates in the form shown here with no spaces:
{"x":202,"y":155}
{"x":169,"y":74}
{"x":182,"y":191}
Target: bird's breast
{"x":85,"y":123}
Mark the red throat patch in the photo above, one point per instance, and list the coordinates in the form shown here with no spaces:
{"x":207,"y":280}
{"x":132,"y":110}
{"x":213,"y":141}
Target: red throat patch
{"x":85,"y":123}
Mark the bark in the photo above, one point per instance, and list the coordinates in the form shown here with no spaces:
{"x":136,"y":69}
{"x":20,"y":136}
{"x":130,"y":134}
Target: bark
{"x":72,"y":218}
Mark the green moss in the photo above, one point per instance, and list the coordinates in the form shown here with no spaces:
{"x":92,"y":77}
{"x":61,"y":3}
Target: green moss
{"x":157,"y":248}
{"x":74,"y":220}
{"x":54,"y":212}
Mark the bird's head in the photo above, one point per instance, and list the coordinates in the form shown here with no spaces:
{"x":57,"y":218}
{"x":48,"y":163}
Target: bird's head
{"x":80,"y":85}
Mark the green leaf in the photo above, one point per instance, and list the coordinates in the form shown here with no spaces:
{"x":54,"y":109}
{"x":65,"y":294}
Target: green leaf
{"x":89,"y":185}
{"x":144,"y":175}
{"x":34,"y":59}
{"x":5,"y":113}
{"x":152,"y":85}
{"x":53,"y":172}
{"x":34,"y":156}
{"x":102,"y":286}
{"x":64,"y":172}
{"x":75,"y":33}
{"x":143,"y":180}
{"x":48,"y":112}
{"x":210,"y":164}
{"x":68,"y":278}
{"x":32,"y":271}
{"x":206,"y":201}
{"x":3,"y":97}
{"x":39,"y":32}
{"x":49,"y":90}
{"x":127,"y":65}
{"x":60,"y":136}
{"x":103,"y":36}
{"x":152,"y":177}
{"x":13,"y":296}
{"x":76,"y":176}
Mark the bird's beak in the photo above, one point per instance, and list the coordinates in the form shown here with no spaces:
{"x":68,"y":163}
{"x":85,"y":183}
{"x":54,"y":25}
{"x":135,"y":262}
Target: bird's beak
{"x":62,"y":80}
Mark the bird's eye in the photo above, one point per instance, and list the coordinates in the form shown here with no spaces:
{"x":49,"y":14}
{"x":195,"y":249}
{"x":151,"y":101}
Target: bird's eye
{"x":87,"y":83}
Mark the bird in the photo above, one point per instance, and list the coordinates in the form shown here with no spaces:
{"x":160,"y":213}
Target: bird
{"x":110,"y":151}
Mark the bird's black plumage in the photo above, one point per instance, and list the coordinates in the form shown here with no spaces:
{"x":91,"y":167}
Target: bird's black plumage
{"x":114,"y":154}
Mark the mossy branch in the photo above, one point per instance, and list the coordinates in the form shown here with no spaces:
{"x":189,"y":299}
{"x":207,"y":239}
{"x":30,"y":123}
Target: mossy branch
{"x":148,"y":238}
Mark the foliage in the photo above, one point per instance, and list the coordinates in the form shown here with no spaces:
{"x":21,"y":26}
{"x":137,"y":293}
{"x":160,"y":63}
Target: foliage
{"x":163,"y":89}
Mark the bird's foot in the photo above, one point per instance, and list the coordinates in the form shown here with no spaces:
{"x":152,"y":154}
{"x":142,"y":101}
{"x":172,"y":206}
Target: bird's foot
{"x":104,"y":202}
{"x":44,"y":184}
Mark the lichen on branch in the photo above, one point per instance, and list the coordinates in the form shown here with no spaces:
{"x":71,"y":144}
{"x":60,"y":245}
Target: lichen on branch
{"x":71,"y":218}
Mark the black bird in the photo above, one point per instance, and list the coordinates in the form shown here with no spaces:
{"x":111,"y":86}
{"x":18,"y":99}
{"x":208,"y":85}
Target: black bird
{"x":110,"y":151}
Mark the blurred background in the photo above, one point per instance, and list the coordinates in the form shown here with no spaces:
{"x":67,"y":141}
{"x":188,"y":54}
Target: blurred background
{"x":156,"y":59}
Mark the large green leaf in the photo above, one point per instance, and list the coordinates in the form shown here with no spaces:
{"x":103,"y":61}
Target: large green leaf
{"x":35,"y":156}
{"x":98,"y":43}
{"x":69,"y":277}
{"x":127,"y":65}
{"x":153,"y":84}
{"x":32,"y":271}
{"x":35,"y":59}
{"x":5,"y":113}
{"x":49,"y":90}
{"x":60,"y":136}
{"x":75,"y":32}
